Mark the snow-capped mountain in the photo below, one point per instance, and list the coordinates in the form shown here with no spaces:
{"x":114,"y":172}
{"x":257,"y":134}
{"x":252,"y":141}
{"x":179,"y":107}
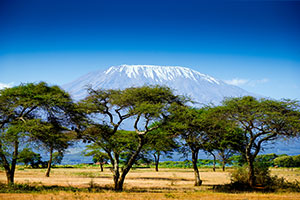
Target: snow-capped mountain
{"x":201,"y":88}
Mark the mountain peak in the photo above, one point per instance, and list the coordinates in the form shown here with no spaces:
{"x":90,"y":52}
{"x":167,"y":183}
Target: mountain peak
{"x":200,"y":87}
{"x":159,"y":73}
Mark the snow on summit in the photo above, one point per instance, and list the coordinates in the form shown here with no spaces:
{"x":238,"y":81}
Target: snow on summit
{"x":200,"y":87}
{"x":159,"y":73}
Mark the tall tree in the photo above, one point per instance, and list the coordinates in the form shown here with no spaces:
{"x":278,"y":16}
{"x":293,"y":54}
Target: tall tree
{"x":262,"y":121}
{"x":142,"y":104}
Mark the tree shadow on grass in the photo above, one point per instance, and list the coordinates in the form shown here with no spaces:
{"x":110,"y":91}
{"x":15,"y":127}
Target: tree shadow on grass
{"x":239,"y":187}
{"x":92,"y":188}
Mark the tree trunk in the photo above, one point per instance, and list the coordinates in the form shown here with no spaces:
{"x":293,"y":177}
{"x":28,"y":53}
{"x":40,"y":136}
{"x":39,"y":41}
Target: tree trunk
{"x":49,"y":163}
{"x":10,"y":170}
{"x":13,"y":163}
{"x":223,"y":166}
{"x":157,"y":161}
{"x":198,"y":181}
{"x":119,"y":180}
{"x":214,"y":163}
{"x":9,"y":176}
{"x":224,"y":157}
{"x":250,"y":160}
{"x":101,"y":166}
{"x":251,"y":176}
{"x":119,"y":184}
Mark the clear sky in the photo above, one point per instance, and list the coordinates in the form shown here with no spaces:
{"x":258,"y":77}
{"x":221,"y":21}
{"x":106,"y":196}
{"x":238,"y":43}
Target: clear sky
{"x":252,"y":44}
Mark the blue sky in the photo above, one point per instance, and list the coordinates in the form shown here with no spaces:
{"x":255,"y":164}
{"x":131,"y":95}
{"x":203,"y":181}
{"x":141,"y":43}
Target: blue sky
{"x":252,"y":44}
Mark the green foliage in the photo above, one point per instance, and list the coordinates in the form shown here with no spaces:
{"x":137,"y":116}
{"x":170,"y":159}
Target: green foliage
{"x":238,"y":160}
{"x":31,"y":112}
{"x":261,"y":172}
{"x":142,"y":104}
{"x":57,"y":157}
{"x":27,"y":156}
{"x":261,"y":121}
{"x":159,"y":142}
{"x":287,"y":161}
{"x":264,"y":180}
{"x":267,"y":159}
{"x":206,"y":163}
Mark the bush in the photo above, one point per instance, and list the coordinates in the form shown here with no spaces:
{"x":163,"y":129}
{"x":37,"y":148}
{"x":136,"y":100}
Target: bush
{"x":264,"y":181}
{"x":261,"y":172}
{"x":27,"y":156}
{"x":296,"y":160}
{"x":285,"y":161}
{"x":267,"y":159}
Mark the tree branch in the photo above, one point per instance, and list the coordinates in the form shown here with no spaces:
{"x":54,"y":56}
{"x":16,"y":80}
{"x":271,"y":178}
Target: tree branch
{"x":262,"y":140}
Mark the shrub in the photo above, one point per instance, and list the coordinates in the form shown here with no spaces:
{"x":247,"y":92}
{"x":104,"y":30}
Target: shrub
{"x":264,"y":181}
{"x":296,"y":160}
{"x":261,"y":172}
{"x":284,"y":161}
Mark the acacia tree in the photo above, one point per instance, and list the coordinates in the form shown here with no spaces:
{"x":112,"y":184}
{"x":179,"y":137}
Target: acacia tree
{"x":27,"y":156}
{"x":262,"y":121}
{"x":51,"y":137}
{"x":21,"y":108}
{"x":160,"y":142}
{"x":56,"y":118}
{"x":97,"y":152}
{"x":17,"y":108}
{"x":188,"y":124}
{"x":57,"y":157}
{"x":141,"y":104}
{"x":223,"y":136}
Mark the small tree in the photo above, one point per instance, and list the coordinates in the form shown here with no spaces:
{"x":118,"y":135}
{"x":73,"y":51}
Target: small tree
{"x":27,"y":156}
{"x":267,"y":159}
{"x":262,"y":121}
{"x":96,"y":151}
{"x":57,"y":157}
{"x":188,"y":124}
{"x":56,"y":119}
{"x":287,"y":161}
{"x":52,"y":137}
{"x":160,"y":142}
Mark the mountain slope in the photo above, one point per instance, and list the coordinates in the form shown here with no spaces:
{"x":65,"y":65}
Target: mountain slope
{"x":200,"y":87}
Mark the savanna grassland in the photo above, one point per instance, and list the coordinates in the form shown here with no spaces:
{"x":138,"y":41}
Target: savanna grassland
{"x":90,"y":183}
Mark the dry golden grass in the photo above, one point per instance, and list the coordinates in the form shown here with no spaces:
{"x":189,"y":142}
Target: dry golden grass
{"x":142,"y":178}
{"x":165,"y":184}
{"x":290,"y":174}
{"x":148,"y":196}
